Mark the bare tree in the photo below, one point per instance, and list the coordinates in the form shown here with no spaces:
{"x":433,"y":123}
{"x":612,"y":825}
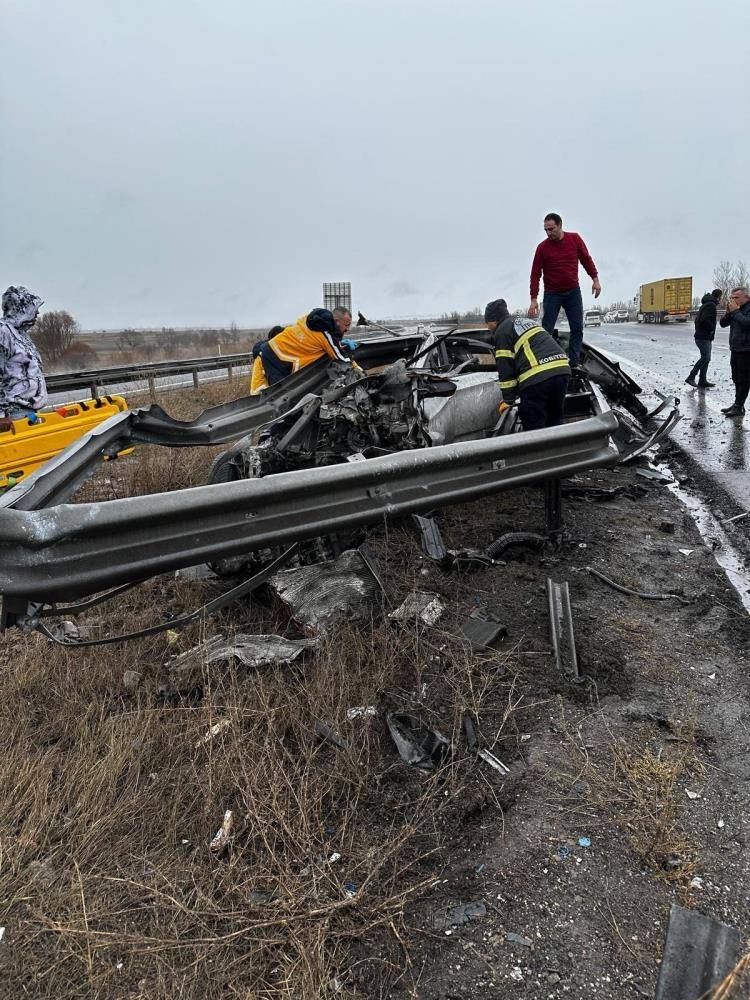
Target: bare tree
{"x":54,"y":333}
{"x":170,"y":339}
{"x":728,"y":275}
{"x":130,"y":340}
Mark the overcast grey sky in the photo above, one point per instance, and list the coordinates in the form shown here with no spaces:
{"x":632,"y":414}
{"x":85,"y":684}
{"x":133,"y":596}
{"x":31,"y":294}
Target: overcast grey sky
{"x":177,"y":162}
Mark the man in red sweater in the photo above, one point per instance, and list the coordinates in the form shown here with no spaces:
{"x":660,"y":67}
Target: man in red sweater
{"x":557,"y":259}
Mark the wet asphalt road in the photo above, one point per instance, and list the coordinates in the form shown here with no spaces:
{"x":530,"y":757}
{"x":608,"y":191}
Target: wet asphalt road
{"x":661,"y":357}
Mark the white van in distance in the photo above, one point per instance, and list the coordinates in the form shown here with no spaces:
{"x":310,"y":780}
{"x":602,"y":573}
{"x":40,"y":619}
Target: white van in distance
{"x":592,"y":317}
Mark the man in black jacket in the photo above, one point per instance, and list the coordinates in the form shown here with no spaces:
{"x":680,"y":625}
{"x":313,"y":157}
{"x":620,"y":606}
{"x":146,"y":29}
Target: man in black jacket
{"x":705,"y":328}
{"x":532,"y":367}
{"x":737,"y":318}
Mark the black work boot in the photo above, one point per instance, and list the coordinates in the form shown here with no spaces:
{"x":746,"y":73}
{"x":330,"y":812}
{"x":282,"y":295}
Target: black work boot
{"x":691,"y":381}
{"x":706,"y":385}
{"x":735,"y":411}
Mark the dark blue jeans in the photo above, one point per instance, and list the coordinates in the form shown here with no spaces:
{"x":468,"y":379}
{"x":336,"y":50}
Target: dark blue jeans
{"x":700,"y":368}
{"x":572,"y":303}
{"x":543,"y":404}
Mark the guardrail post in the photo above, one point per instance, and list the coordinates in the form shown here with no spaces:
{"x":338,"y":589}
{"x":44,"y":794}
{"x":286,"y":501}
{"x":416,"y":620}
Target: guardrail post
{"x":94,"y":390}
{"x":553,"y":508}
{"x":152,"y":388}
{"x":195,"y":377}
{"x":230,"y":372}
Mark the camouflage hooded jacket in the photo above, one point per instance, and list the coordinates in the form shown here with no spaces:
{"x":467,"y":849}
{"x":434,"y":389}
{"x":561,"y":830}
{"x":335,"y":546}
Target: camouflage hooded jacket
{"x":21,"y":376}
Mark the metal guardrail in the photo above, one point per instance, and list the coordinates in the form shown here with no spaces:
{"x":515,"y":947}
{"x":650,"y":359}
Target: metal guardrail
{"x":97,"y":378}
{"x":69,"y":551}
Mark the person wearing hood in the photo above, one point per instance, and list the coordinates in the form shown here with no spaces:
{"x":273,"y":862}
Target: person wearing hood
{"x":311,"y":337}
{"x":23,"y":390}
{"x":531,"y":365}
{"x":705,"y":330}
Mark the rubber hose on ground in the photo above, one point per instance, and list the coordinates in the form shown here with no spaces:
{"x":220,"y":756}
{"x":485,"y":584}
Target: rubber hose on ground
{"x":512,"y":538}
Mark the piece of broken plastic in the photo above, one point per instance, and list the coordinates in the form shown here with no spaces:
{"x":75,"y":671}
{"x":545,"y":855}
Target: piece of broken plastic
{"x":223,"y":836}
{"x":483,"y":630}
{"x":419,"y":606}
{"x":459,"y":915}
{"x":424,"y":748}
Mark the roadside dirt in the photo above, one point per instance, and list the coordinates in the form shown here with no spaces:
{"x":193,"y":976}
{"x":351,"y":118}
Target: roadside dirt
{"x":346,"y":864}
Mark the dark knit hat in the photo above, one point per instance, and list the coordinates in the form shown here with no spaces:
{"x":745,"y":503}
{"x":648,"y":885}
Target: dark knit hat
{"x":716,"y":293}
{"x":321,"y":320}
{"x":495,"y":311}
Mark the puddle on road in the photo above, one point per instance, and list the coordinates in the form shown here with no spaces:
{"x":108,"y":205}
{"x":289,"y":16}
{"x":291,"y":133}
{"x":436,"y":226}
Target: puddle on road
{"x":727,"y":556}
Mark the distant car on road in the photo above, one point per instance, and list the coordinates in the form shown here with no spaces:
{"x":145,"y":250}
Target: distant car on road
{"x":621,"y":316}
{"x":592,"y":317}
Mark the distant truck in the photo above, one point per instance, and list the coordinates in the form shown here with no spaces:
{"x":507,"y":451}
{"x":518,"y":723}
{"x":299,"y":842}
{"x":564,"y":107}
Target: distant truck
{"x":666,"y":301}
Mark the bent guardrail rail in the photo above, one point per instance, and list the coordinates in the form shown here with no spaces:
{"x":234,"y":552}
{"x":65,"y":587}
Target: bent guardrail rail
{"x":69,"y":551}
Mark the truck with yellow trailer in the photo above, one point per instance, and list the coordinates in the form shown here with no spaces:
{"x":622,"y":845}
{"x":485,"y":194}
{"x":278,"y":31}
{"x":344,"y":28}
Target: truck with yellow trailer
{"x":666,"y":301}
{"x":35,"y":439}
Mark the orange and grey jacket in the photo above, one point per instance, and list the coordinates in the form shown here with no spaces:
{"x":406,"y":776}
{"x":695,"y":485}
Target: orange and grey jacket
{"x":525,"y":354}
{"x":298,"y":346}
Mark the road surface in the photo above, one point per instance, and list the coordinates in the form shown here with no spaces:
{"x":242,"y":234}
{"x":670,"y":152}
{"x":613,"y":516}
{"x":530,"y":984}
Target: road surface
{"x":661,"y":357}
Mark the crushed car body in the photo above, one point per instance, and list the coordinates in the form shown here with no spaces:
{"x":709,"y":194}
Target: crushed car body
{"x":327,"y":451}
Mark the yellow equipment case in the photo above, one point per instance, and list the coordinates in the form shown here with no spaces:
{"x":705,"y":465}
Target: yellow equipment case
{"x":36,"y":439}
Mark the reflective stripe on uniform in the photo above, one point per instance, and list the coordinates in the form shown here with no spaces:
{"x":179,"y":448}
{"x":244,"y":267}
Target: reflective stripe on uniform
{"x":545,"y":366}
{"x":503,"y":354}
{"x":509,"y":385}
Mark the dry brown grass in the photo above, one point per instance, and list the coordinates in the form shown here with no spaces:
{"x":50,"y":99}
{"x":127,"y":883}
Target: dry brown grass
{"x":641,"y":791}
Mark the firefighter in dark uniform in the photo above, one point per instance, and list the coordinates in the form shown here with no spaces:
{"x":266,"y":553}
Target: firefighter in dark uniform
{"x":532,"y":367}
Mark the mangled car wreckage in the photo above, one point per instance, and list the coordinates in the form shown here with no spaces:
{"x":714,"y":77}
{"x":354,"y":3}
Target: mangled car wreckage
{"x":320,"y":455}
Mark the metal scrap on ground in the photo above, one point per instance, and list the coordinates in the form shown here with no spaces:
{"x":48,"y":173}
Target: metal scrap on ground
{"x":699,"y":952}
{"x":561,"y":628}
{"x":250,"y":650}
{"x":418,"y":745}
{"x":319,"y":597}
{"x":418,"y":607}
{"x":482,"y":630}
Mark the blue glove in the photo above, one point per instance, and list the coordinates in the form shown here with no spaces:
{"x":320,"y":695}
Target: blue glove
{"x":350,"y":344}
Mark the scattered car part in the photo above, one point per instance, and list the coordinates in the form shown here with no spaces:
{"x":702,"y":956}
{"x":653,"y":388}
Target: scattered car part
{"x":458,"y":915}
{"x":251,"y":650}
{"x":483,"y":630}
{"x":613,"y":380}
{"x":639,"y":593}
{"x":419,"y":607}
{"x":426,"y":749}
{"x":324,"y":731}
{"x":319,"y":597}
{"x":561,"y":628}
{"x":514,"y":539}
{"x":699,"y":952}
{"x":432,"y":541}
{"x":473,"y":743}
{"x":654,"y":475}
{"x":222,"y":839}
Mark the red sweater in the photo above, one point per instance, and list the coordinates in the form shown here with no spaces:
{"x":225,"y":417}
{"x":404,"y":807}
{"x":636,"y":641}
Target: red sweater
{"x":558,"y":259}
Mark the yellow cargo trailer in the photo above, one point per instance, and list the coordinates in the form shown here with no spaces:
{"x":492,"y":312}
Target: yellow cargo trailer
{"x":36,"y":439}
{"x":668,"y":300}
